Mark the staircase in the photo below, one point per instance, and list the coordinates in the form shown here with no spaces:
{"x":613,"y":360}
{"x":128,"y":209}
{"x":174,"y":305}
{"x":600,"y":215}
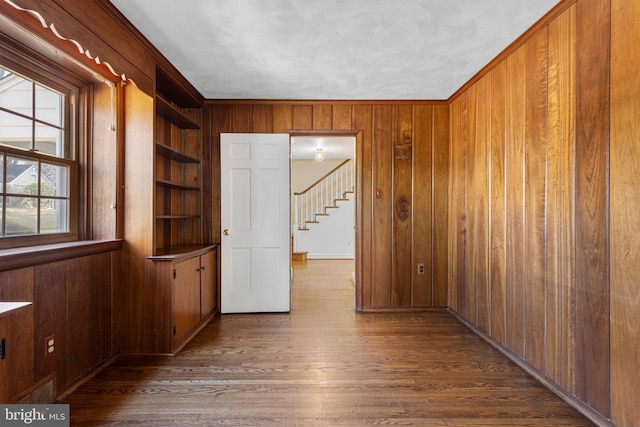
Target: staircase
{"x":323,"y":195}
{"x":315,"y":204}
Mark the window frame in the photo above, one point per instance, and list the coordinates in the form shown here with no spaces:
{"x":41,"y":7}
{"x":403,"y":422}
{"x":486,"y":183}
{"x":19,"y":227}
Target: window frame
{"x":75,"y":117}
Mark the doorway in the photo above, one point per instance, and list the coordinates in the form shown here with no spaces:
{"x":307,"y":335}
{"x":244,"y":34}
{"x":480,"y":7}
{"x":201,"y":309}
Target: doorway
{"x":323,"y":202}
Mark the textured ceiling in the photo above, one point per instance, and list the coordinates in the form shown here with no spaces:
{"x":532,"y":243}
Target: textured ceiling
{"x":331,"y":49}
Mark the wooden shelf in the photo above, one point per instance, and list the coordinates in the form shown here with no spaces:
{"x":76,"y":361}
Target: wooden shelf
{"x":174,"y":186}
{"x":178,"y":251}
{"x":171,"y":217}
{"x":169,"y":88}
{"x":167,"y":224}
{"x":170,"y":153}
{"x":172,"y":114}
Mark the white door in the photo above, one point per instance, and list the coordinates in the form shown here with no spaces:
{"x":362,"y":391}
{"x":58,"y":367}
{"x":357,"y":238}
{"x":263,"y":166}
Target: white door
{"x":256,"y":251}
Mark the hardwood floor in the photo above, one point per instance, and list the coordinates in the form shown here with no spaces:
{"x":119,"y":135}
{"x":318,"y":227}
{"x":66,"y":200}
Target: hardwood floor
{"x":323,"y":364}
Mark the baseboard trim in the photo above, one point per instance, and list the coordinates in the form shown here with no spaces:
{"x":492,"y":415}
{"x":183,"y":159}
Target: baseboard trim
{"x":73,"y":387}
{"x":563,"y":394}
{"x":329,"y":256}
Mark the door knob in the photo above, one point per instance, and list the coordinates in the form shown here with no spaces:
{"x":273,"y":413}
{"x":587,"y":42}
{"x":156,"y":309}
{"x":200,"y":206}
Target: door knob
{"x":226,"y":232}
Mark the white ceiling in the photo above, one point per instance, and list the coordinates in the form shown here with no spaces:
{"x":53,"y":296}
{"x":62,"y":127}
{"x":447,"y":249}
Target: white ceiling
{"x":331,"y":49}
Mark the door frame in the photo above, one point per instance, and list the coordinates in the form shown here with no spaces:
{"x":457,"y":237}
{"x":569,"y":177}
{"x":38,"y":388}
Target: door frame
{"x":357,"y":133}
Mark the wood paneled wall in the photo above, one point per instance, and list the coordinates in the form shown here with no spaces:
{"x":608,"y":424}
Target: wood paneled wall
{"x":402,"y":151}
{"x":73,"y":302}
{"x":537,"y":204}
{"x":625,"y":212}
{"x":83,"y":330}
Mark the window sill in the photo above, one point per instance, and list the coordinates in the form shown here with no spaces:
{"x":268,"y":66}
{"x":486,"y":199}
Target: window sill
{"x":11,"y":259}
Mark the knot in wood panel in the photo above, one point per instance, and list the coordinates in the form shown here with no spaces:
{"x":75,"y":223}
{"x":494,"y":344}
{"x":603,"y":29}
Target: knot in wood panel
{"x":403,"y":208}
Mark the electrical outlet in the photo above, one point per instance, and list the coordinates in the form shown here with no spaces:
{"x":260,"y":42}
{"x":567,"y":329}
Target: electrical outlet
{"x":50,"y":345}
{"x":420,"y":268}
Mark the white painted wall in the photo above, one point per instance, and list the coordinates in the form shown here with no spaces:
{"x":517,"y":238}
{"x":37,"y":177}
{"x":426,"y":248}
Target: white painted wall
{"x":305,"y":172}
{"x":333,"y":236}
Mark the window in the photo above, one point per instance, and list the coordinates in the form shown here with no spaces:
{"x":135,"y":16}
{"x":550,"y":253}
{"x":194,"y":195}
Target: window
{"x":37,"y":160}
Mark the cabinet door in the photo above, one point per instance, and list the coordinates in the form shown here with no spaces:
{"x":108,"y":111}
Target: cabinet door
{"x":186,"y":298}
{"x":208,"y":281}
{"x":16,"y":369}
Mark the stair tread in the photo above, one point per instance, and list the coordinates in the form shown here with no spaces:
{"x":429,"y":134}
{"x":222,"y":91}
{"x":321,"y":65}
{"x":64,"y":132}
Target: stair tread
{"x":303,"y":229}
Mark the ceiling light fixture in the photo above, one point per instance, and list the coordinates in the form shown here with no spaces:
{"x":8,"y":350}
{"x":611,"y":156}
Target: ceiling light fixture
{"x":319,"y":155}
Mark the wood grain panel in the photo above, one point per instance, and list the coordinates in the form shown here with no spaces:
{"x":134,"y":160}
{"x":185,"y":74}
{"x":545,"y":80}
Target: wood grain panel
{"x":242,"y":116}
{"x":101,"y":309}
{"x":402,"y":267}
{"x":452,"y":207}
{"x":139,"y":115}
{"x":471,"y":247}
{"x":322,"y":117}
{"x":462,"y":210}
{"x":515,"y":232}
{"x":50,"y":320}
{"x":156,"y":322}
{"x":592,"y":239}
{"x":560,"y":259}
{"x":497,"y":237}
{"x":481,"y":187}
{"x":535,"y":199}
{"x":117,"y":308}
{"x":363,"y":119}
{"x":457,"y":206}
{"x":186,"y":298}
{"x":625,"y":212}
{"x":439,"y":206}
{"x":208,"y":283}
{"x":342,"y":119}
{"x":262,"y":120}
{"x":206,"y":180}
{"x":78,"y":297}
{"x":103,"y":186}
{"x":220,"y":123}
{"x":382,"y":177}
{"x":17,"y":285}
{"x":282,"y":118}
{"x":302,"y":117}
{"x":422,"y":213}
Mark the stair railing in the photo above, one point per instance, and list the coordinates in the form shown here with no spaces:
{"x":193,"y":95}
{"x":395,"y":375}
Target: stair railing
{"x":323,"y":193}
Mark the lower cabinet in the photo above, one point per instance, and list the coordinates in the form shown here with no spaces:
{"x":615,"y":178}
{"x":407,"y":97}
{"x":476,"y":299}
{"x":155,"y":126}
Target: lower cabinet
{"x":16,"y":349}
{"x":190,"y":286}
{"x":209,"y":282}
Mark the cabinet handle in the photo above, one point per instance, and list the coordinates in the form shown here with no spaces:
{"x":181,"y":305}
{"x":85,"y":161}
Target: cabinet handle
{"x":201,"y":268}
{"x":225,"y":232}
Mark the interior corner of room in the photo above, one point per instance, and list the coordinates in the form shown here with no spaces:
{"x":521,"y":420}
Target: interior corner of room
{"x":500,"y":191}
